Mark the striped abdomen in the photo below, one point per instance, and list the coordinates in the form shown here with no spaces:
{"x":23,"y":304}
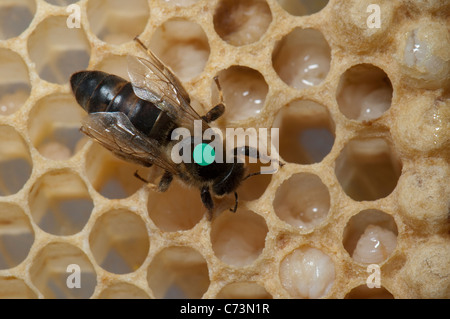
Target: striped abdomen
{"x":98,"y":91}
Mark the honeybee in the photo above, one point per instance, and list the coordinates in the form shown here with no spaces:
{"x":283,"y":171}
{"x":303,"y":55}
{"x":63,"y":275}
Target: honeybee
{"x":134,"y":120}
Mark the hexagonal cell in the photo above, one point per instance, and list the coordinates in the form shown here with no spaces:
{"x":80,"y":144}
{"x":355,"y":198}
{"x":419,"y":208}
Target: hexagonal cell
{"x":178,"y":273}
{"x":15,"y":288}
{"x":361,"y":19}
{"x":123,"y":290}
{"x":307,"y":273}
{"x":15,"y":161}
{"x":182,"y":45}
{"x":302,"y":201}
{"x":119,"y":241}
{"x":110,"y":176}
{"x":426,"y":270}
{"x":423,"y":53}
{"x":302,"y":7}
{"x":238,"y":238}
{"x":421,"y":124}
{"x":16,"y":235}
{"x":116,"y":21}
{"x":60,"y":203}
{"x":370,"y":236}
{"x":178,"y":208}
{"x":15,"y":17}
{"x":364,"y":92}
{"x":54,"y":126}
{"x":15,"y":87}
{"x":306,"y":132}
{"x":241,"y":22}
{"x":302,"y":58}
{"x":424,"y":195}
{"x":244,"y":92}
{"x":57,"y":50}
{"x":59,"y":266}
{"x":62,"y":3}
{"x":364,"y":292}
{"x":114,"y":64}
{"x":368,"y":168}
{"x":243,"y":290}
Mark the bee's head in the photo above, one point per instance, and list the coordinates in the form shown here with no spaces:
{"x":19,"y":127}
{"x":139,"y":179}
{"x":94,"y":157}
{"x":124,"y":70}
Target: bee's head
{"x":229,"y":182}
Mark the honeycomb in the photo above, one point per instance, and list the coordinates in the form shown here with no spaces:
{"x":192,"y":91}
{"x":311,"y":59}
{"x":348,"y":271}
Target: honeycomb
{"x":359,"y":91}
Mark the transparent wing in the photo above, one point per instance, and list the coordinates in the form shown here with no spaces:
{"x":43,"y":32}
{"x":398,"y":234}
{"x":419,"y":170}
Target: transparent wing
{"x":115,"y":132}
{"x":154,"y":82}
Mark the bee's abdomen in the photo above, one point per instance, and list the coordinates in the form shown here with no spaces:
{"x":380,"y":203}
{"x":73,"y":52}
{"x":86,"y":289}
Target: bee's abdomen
{"x":98,"y":91}
{"x":95,"y":90}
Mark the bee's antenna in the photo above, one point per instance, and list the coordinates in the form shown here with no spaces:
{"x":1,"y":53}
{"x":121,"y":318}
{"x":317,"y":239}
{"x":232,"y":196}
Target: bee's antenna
{"x":250,"y":175}
{"x":259,"y":173}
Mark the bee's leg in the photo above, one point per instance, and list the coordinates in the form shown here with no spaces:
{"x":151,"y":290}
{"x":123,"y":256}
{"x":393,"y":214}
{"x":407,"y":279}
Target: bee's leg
{"x":165,"y":181}
{"x":214,"y":113}
{"x":150,"y":185}
{"x":234,"y":209}
{"x":207,"y":200}
{"x":217,"y":110}
{"x":139,"y":177}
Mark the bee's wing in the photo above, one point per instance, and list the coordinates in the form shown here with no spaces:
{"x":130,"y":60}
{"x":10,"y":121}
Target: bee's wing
{"x":153,"y":81}
{"x":115,"y":132}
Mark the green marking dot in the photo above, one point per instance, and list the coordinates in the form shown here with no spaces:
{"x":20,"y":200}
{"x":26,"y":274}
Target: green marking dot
{"x":204,"y":154}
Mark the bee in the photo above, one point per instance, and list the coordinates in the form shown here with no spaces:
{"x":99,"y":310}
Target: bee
{"x":134,"y":120}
